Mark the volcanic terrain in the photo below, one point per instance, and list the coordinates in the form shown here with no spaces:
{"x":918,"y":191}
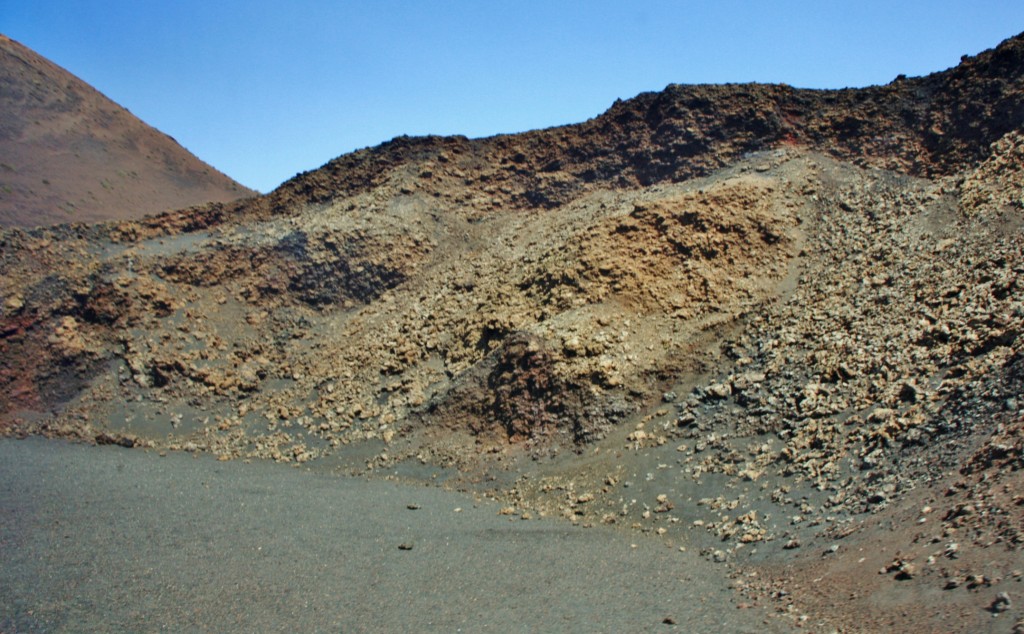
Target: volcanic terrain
{"x":69,"y":154}
{"x":777,"y":327}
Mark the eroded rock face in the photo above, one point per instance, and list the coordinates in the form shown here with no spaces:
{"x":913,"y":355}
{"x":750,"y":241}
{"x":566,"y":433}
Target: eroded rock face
{"x":538,"y":289}
{"x":768,"y":313}
{"x":396,"y":307}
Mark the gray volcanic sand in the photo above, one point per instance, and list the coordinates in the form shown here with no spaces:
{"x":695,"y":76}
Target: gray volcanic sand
{"x":108,"y":539}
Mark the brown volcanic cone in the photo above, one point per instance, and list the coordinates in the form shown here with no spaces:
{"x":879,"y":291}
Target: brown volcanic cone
{"x":69,"y":154}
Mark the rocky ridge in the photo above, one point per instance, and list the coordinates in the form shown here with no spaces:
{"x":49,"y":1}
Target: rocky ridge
{"x":755,"y":321}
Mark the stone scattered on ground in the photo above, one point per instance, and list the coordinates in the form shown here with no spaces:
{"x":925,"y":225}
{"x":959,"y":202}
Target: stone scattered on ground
{"x":777,"y":328}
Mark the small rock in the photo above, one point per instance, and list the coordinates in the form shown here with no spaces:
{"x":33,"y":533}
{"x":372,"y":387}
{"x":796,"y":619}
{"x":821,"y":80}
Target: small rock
{"x":637,"y":436}
{"x":14,"y":303}
{"x":1001,"y":603}
{"x":976,"y":581}
{"x":906,"y":571}
{"x":718,"y":390}
{"x":405,"y":546}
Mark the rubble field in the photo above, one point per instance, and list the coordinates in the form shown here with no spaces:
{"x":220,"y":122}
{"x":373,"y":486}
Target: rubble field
{"x":776,"y":327}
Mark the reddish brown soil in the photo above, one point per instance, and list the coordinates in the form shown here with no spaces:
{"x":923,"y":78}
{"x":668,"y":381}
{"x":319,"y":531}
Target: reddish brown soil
{"x":69,"y":154}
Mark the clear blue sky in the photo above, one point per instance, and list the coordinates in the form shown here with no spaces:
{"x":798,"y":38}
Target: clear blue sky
{"x":264,"y":89}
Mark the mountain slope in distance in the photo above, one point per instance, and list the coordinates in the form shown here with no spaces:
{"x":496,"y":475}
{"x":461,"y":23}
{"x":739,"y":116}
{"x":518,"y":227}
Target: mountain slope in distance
{"x":70,"y":154}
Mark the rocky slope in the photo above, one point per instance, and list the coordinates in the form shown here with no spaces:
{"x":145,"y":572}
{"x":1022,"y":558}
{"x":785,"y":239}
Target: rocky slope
{"x":69,"y":154}
{"x":779,"y":326}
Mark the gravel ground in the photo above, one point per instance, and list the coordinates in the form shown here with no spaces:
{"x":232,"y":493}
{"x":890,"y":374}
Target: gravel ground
{"x":107,"y":539}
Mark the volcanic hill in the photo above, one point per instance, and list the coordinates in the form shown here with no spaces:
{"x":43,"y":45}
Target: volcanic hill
{"x":776,"y":326}
{"x":69,"y":154}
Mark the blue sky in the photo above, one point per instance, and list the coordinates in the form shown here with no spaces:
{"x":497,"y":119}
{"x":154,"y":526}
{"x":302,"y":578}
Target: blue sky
{"x":262,"y":90}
